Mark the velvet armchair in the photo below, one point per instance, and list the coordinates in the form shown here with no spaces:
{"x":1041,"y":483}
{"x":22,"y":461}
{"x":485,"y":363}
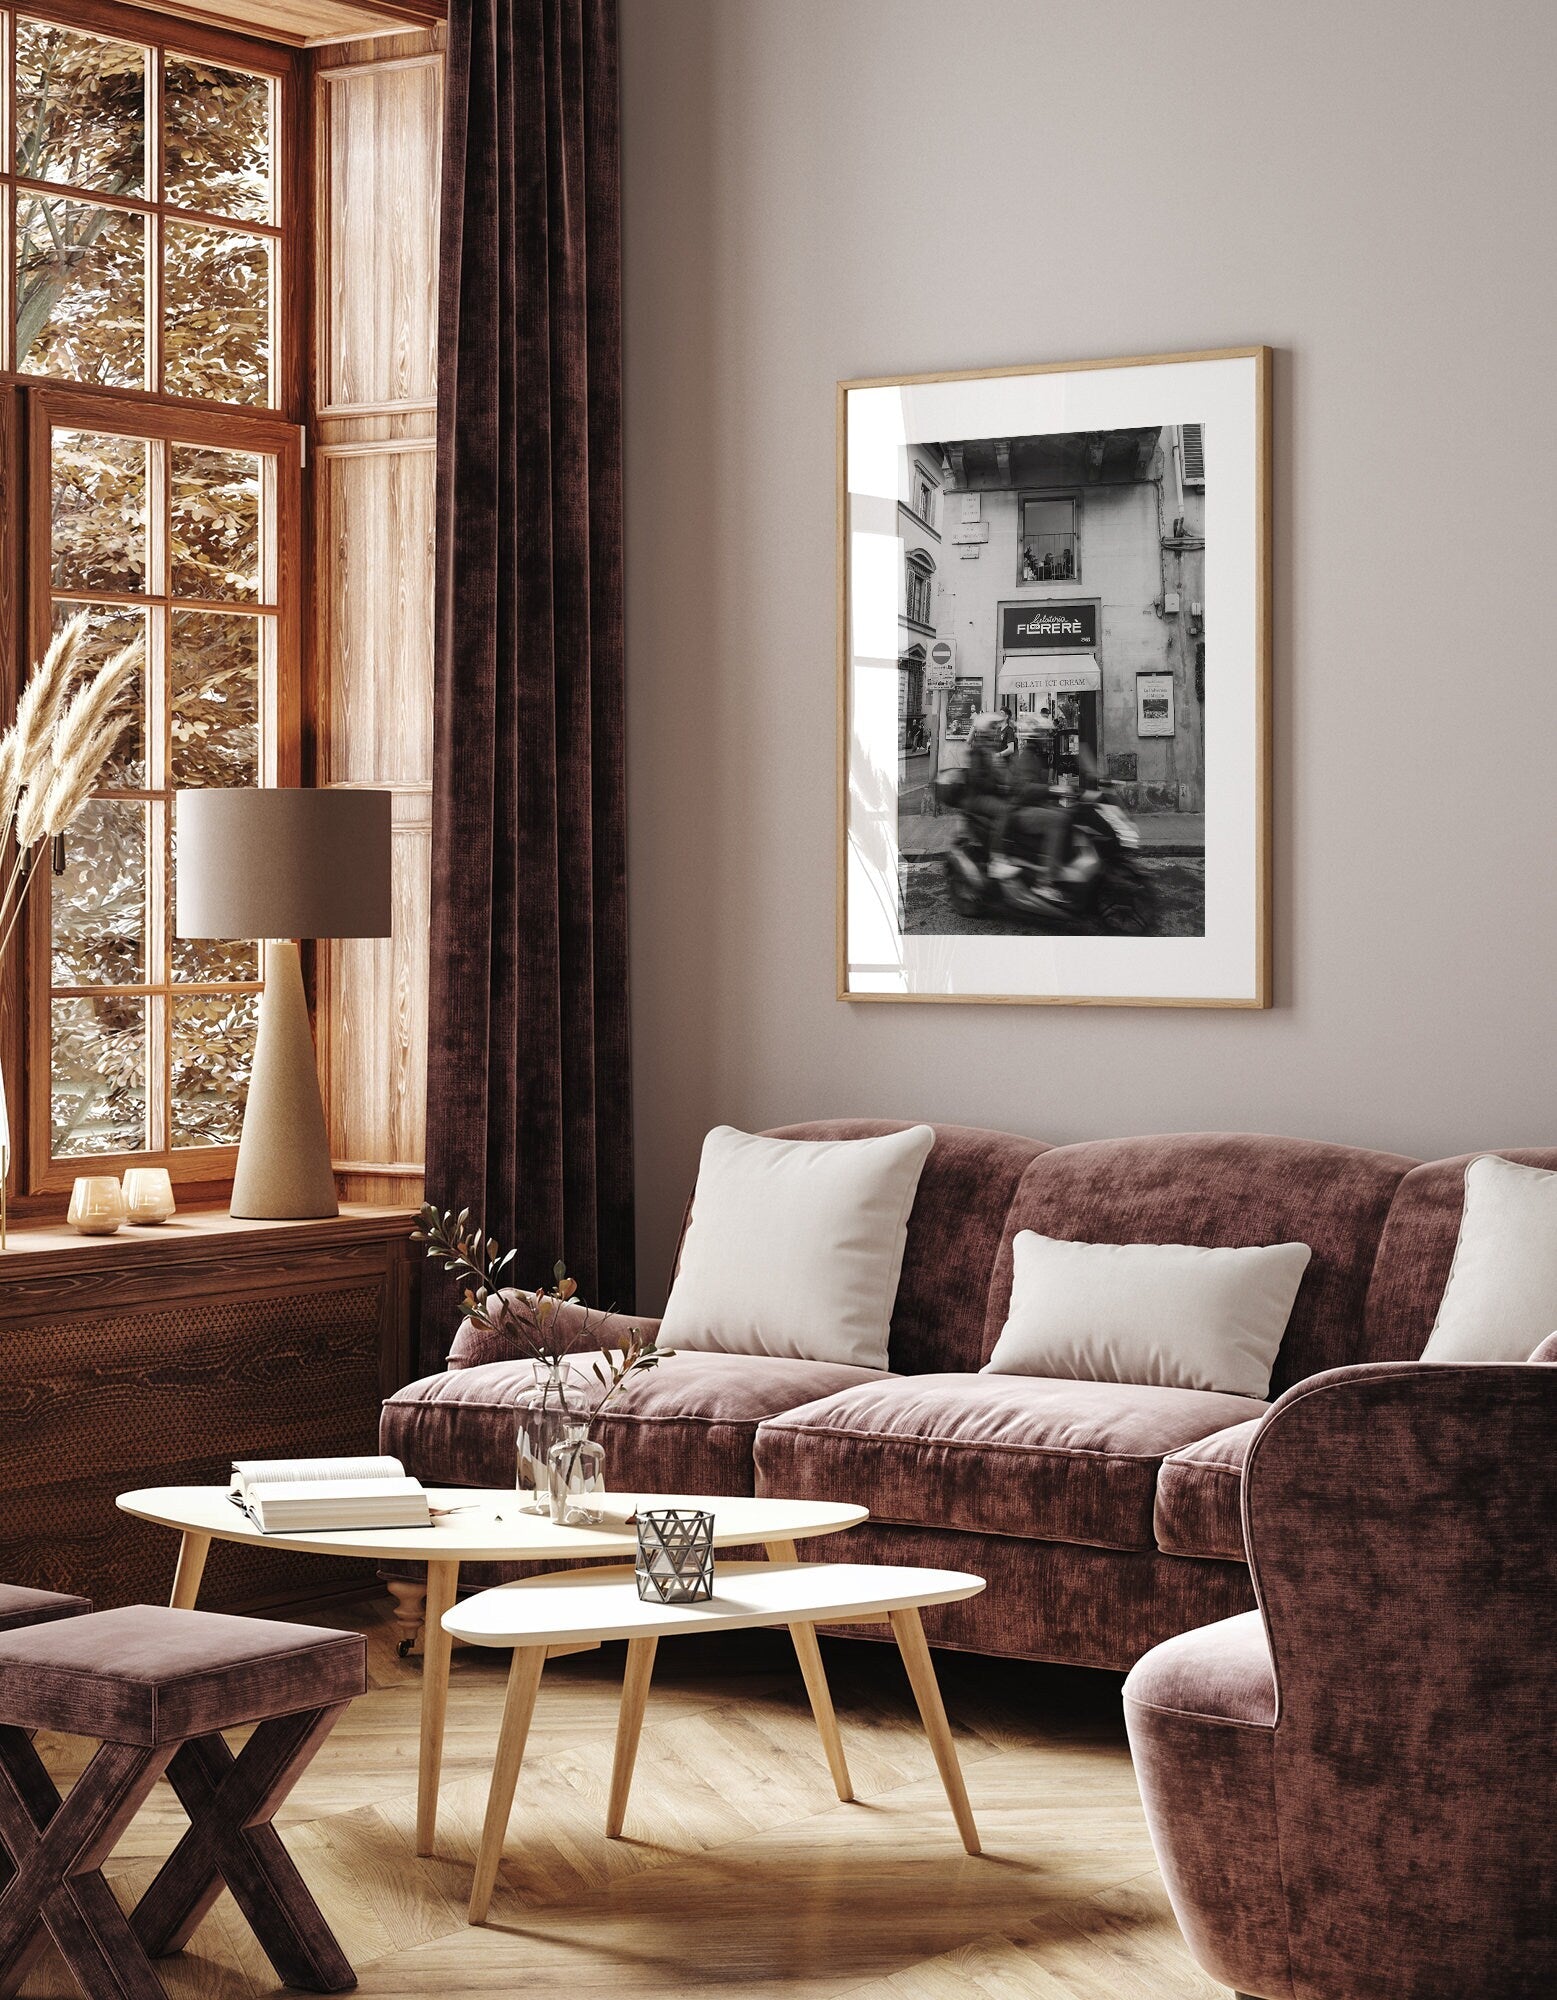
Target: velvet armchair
{"x":1353,"y":1790}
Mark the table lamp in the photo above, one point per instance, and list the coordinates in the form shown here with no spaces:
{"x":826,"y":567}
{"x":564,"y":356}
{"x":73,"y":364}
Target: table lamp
{"x":279,"y":865}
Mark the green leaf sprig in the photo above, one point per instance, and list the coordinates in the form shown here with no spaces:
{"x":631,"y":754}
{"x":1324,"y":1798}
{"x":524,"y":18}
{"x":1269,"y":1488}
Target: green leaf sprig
{"x":482,"y":1270}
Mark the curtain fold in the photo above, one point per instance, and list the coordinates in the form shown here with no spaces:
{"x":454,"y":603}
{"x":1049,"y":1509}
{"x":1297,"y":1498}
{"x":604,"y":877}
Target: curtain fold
{"x":529,"y":1100}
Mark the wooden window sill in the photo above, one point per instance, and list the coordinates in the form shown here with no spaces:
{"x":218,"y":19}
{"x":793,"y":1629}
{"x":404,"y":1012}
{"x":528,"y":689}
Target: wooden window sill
{"x":191,"y":1230}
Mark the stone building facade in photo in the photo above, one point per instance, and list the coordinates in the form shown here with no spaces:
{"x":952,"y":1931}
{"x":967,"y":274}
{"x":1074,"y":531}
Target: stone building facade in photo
{"x":1064,"y":576}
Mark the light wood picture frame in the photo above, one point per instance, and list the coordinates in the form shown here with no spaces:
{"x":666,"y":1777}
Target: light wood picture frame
{"x":1054,"y":664}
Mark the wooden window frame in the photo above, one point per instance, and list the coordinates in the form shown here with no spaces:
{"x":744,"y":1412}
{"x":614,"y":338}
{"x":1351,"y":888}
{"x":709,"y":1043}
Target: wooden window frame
{"x":31,"y":405}
{"x":223,"y":428}
{"x":292,"y":253}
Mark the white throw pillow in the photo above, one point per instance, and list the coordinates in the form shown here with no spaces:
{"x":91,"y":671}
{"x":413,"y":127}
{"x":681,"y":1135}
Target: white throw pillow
{"x":1164,"y":1314}
{"x":795,"y":1246}
{"x":1501,"y":1299}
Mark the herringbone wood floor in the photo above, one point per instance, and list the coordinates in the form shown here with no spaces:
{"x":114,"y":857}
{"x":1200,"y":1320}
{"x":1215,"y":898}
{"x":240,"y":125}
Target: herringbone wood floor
{"x":740,"y":1870}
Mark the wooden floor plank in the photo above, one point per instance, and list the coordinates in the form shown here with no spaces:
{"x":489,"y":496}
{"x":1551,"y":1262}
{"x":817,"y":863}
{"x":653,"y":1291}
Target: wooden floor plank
{"x":739,"y":1869}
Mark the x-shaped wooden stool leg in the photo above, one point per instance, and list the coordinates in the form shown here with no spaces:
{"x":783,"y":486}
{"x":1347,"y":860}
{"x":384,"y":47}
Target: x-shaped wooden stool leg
{"x":230,"y":1802}
{"x":57,"y":1849}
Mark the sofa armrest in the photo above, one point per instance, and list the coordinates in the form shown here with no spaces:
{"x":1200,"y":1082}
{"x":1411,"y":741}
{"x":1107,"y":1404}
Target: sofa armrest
{"x":585,"y":1332}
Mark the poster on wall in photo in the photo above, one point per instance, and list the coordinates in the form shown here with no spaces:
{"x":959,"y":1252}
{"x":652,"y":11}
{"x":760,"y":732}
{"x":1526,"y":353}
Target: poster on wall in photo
{"x":1154,"y":704}
{"x":962,"y":704}
{"x":1081,"y":816}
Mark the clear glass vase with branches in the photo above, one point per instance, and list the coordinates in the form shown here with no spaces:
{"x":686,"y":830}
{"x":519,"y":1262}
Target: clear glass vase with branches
{"x":548,"y":1326}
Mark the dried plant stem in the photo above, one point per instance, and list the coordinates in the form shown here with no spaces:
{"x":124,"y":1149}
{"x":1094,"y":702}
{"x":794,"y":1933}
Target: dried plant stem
{"x":27,"y":862}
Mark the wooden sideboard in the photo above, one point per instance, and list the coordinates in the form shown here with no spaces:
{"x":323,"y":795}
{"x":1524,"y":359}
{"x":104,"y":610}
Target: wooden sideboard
{"x":156,"y":1356}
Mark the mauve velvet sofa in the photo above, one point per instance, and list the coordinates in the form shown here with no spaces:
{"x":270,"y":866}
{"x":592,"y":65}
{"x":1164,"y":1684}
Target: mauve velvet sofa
{"x":1354,"y":1796}
{"x":1104,"y":1516}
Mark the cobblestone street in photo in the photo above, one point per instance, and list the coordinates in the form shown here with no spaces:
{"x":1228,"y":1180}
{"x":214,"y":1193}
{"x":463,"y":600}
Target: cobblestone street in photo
{"x":1179,"y":882}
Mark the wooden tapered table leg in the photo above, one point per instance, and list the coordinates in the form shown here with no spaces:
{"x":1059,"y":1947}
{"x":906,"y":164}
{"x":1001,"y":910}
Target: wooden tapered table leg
{"x":812,"y":1672}
{"x":629,"y":1727}
{"x":524,"y":1678}
{"x":192,"y":1552}
{"x":442,"y":1587}
{"x":909,"y":1633}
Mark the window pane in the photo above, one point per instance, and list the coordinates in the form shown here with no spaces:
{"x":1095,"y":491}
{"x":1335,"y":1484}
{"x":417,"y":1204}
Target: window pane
{"x":99,"y":502}
{"x":80,"y":291}
{"x":110,"y":627}
{"x":99,"y":903}
{"x":80,"y":109}
{"x":213,"y":1053}
{"x":213,"y":961}
{"x":216,"y":314}
{"x":98,"y":1085}
{"x":1047,"y":517}
{"x":214,"y":698}
{"x":215,"y":547}
{"x":216,"y":124}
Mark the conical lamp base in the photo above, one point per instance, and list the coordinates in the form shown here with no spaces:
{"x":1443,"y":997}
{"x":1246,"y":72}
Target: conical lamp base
{"x":284,"y":1157}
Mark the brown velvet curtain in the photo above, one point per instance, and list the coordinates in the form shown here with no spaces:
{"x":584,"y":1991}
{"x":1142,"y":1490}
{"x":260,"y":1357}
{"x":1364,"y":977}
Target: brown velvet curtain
{"x":529,"y":1101}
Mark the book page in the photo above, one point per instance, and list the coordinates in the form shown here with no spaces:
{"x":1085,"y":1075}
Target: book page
{"x":285,"y":1471}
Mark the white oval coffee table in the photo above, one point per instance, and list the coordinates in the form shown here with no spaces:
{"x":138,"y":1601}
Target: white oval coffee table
{"x":596,"y":1604}
{"x":489,"y":1525}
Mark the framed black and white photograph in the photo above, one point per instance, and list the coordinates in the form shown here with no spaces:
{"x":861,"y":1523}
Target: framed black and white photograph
{"x":1054,"y":661}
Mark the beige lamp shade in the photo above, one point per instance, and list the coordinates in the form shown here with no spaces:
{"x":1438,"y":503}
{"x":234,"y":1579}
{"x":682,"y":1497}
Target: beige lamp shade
{"x":282,"y":863}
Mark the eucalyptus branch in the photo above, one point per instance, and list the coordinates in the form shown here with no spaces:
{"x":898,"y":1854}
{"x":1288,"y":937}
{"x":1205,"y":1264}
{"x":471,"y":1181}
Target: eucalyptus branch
{"x":480,"y":1268}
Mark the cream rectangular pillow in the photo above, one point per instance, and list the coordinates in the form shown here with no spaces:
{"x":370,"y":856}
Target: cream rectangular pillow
{"x":1165,"y":1314}
{"x":795,"y":1246}
{"x":1501,"y":1299}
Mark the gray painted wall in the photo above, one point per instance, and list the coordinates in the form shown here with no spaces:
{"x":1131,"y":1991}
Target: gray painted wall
{"x":823,"y":188}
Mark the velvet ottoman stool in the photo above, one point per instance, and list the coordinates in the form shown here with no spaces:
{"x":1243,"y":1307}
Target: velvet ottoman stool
{"x":156,"y":1687}
{"x":19,"y":1607}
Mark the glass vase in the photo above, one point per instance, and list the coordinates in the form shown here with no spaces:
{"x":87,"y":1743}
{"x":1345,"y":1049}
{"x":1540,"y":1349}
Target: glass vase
{"x":577,"y":1479}
{"x":547,"y":1413}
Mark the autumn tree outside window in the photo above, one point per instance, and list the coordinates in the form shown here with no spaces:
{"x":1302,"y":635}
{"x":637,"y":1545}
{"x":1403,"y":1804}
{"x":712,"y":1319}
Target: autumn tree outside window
{"x":148,"y":328}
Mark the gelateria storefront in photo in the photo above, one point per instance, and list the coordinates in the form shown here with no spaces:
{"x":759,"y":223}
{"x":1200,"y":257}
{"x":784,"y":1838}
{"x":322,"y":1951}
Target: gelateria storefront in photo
{"x":1048,"y":670}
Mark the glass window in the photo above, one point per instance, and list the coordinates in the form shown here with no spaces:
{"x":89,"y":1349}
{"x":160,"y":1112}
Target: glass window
{"x":141,"y":302}
{"x":1049,"y":550}
{"x":919,"y":569}
{"x":157,"y":270}
{"x":169,"y":1072}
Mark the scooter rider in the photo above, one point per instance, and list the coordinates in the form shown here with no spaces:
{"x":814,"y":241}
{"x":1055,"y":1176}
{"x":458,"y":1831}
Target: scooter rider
{"x":987,"y":775}
{"x":1033,"y":792}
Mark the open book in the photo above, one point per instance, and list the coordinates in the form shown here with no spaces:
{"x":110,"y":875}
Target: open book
{"x":295,"y":1496}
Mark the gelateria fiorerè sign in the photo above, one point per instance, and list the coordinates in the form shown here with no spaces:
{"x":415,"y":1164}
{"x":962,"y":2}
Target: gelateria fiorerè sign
{"x":1046,"y":628}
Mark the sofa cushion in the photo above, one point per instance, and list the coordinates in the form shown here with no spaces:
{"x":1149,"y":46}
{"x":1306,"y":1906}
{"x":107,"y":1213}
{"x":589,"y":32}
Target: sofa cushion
{"x":1501,"y":1299}
{"x":1416,"y":1252}
{"x":683,"y":1427}
{"x":994,"y":1454}
{"x":954,"y":1230}
{"x":1199,"y":1509}
{"x":1222,"y":1671}
{"x":1223,"y":1190}
{"x":1174,"y":1314}
{"x":795,"y":1246}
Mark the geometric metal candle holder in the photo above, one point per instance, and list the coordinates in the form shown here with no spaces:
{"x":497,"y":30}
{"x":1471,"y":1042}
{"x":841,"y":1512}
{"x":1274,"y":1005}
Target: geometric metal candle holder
{"x":675,"y":1556}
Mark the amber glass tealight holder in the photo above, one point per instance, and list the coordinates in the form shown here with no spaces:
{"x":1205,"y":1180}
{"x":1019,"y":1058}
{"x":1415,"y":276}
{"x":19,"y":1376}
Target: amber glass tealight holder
{"x":96,"y":1205}
{"x":148,"y":1195}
